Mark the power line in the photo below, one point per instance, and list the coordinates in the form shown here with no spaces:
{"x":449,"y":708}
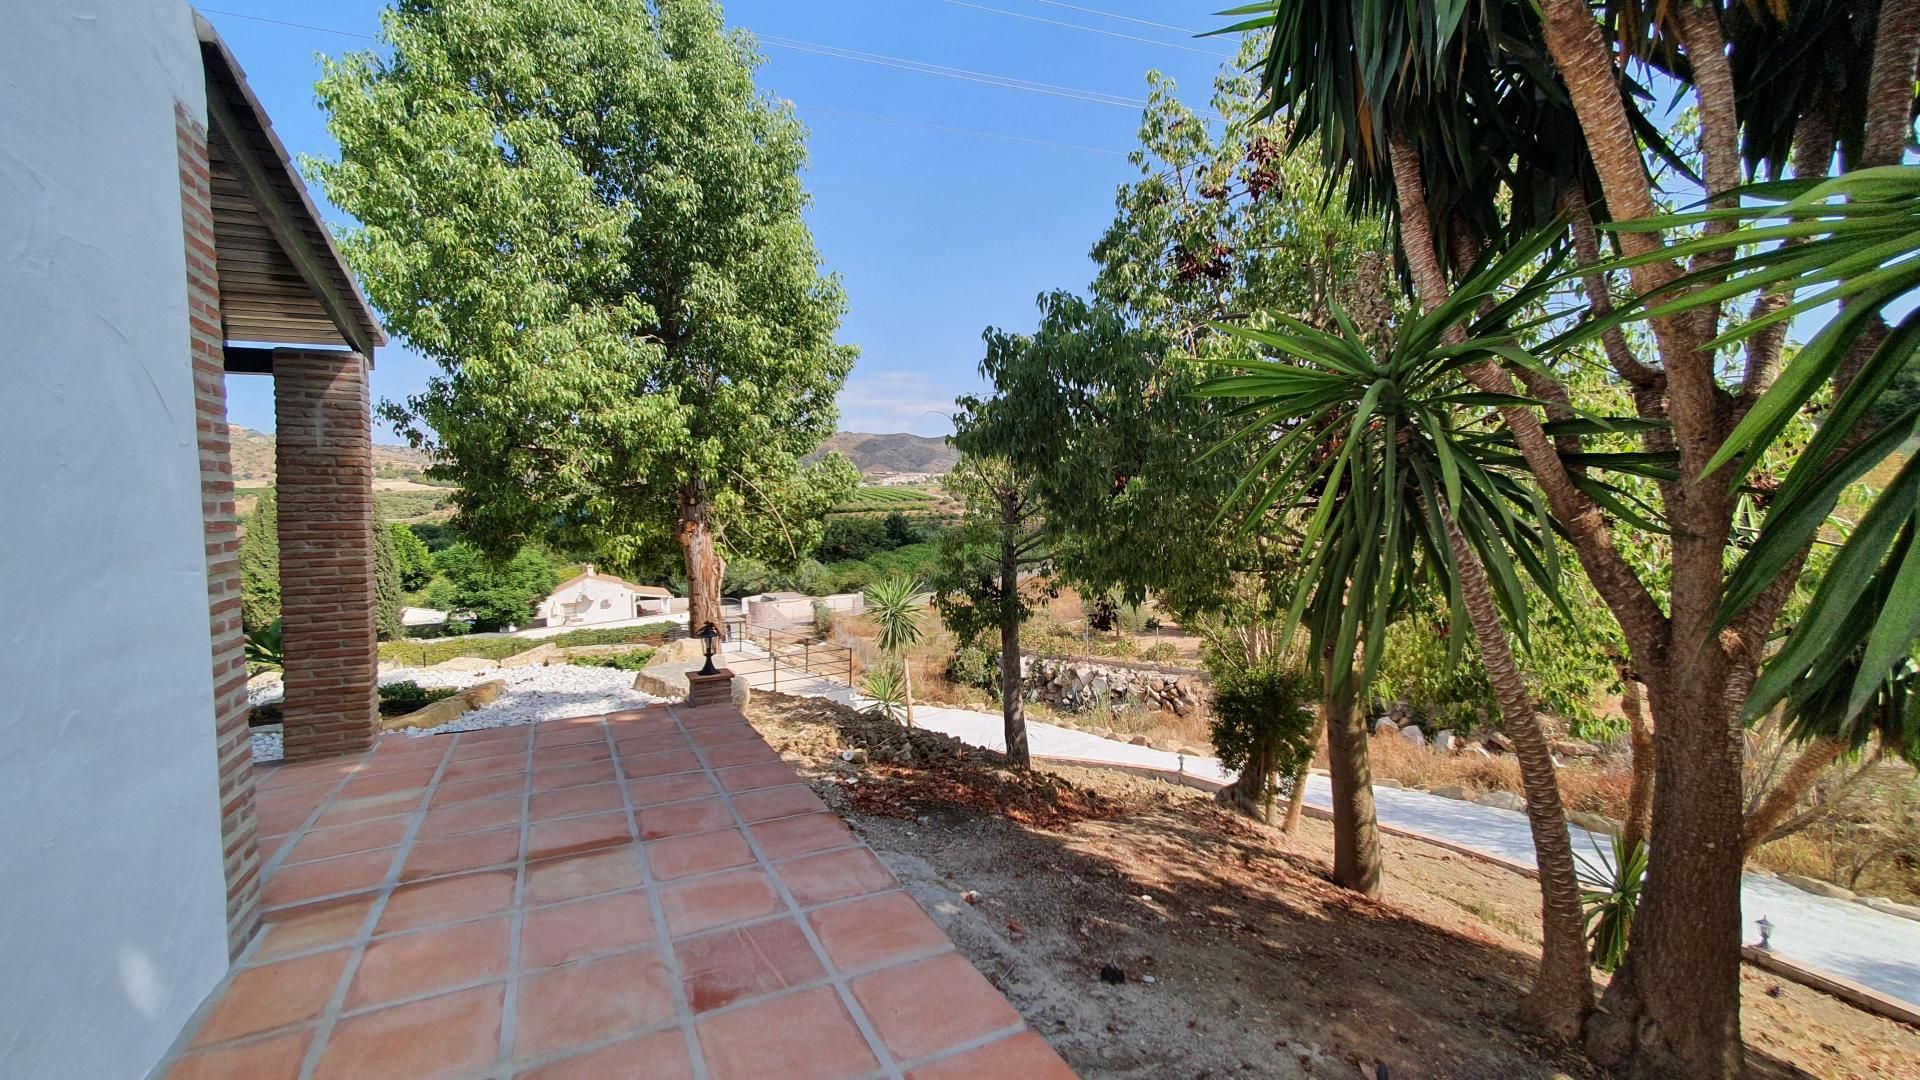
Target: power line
{"x":1122,"y":18}
{"x":283,"y":22}
{"x":961,"y":131}
{"x":1088,"y":29}
{"x":1008,"y":82}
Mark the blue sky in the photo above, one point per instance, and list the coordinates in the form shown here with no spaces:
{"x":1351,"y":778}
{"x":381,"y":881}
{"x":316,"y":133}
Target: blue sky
{"x":937,"y":234}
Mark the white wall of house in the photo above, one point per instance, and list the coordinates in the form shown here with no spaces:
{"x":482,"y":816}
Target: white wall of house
{"x":113,"y":913}
{"x":588,"y":601}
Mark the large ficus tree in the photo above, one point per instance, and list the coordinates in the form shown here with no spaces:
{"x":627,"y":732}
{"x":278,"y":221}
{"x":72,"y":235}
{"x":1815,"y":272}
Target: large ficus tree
{"x":585,"y":213}
{"x":1423,"y":99}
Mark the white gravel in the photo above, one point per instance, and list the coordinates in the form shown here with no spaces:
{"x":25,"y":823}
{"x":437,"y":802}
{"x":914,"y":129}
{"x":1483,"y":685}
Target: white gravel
{"x":533,"y":694}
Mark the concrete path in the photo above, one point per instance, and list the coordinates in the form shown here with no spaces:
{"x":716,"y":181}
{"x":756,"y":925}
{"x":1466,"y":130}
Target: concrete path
{"x":1851,"y":940}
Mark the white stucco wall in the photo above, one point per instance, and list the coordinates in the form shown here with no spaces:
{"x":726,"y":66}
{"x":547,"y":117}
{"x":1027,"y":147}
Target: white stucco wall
{"x":607,"y":599}
{"x":113,"y":909}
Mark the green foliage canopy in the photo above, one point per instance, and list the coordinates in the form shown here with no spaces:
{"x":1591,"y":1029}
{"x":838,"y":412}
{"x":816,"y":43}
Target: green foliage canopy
{"x":492,"y":592}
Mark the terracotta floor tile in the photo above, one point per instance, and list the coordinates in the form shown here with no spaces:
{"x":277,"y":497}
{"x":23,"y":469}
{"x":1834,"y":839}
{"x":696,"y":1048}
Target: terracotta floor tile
{"x":803,"y":1036}
{"x":637,"y":766}
{"x":567,"y":802}
{"x":276,"y":777}
{"x":579,"y":729}
{"x":769,"y":803}
{"x":419,"y":963}
{"x":431,"y":858}
{"x":565,"y":776}
{"x":347,"y":839}
{"x":340,"y":874}
{"x":659,"y":1056}
{"x":786,"y":837}
{"x":705,"y":715}
{"x":929,"y":1006}
{"x":720,"y":734}
{"x":476,"y":751}
{"x":709,"y":902}
{"x":480,"y":768}
{"x":699,"y":853}
{"x":268,"y":1059}
{"x":516,"y":735}
{"x":572,"y":836}
{"x":876,"y":930}
{"x":576,"y":754}
{"x":486,"y":787}
{"x":1025,"y":1055}
{"x":562,"y":933}
{"x":348,"y":811}
{"x":387,"y":783}
{"x":750,"y":752}
{"x":448,"y":899}
{"x":452,"y":1035}
{"x":311,"y":926}
{"x":748,"y":777}
{"x":394,"y":754}
{"x":665,"y":789}
{"x":834,"y":875}
{"x":723,"y":967}
{"x":583,"y":875}
{"x":465,"y":817}
{"x":299,"y":800}
{"x":681,"y":818}
{"x":590,"y":1001}
{"x":648,"y":737}
{"x":273,"y":995}
{"x":282,"y":820}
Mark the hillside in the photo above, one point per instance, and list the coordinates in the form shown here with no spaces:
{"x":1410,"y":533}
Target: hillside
{"x":252,"y":454}
{"x":880,"y":457}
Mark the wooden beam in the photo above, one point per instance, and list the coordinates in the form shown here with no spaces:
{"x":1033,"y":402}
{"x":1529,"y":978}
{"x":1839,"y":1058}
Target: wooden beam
{"x":286,"y":231}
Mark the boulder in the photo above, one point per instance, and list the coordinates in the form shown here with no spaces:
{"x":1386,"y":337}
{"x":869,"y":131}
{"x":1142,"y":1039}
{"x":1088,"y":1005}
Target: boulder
{"x":1497,"y":743}
{"x":486,"y":693}
{"x":1138,"y":740}
{"x":1384,"y":726}
{"x":466,"y":664}
{"x":1414,"y":736}
{"x":1817,"y":887}
{"x":1445,"y":741}
{"x":1882,"y":904}
{"x":681,"y":651}
{"x":1569,"y":748}
{"x":1477,"y":749}
{"x":1598,"y":823}
{"x":1502,"y":800}
{"x":1389,"y":783}
{"x":1451,"y":791}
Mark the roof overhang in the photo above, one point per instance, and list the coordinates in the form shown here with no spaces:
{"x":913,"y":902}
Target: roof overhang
{"x":282,"y":280}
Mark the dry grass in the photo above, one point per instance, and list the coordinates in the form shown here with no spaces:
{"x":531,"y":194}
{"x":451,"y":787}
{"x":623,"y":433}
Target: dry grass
{"x":1594,"y":789}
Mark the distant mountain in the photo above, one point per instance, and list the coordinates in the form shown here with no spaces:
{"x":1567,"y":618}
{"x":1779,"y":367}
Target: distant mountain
{"x":879,"y":457}
{"x":252,"y":453}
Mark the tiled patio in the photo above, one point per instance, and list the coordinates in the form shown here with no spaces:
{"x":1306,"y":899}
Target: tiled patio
{"x":646,"y":894}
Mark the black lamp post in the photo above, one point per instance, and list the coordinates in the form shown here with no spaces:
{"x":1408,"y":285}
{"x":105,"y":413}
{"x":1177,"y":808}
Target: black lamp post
{"x":709,"y":635}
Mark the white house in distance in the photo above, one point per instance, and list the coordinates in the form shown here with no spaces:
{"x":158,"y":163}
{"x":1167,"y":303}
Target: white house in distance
{"x":591,"y":598}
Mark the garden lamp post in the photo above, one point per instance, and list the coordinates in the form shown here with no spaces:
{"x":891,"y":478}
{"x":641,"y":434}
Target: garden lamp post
{"x":709,"y":635}
{"x":1766,"y":932}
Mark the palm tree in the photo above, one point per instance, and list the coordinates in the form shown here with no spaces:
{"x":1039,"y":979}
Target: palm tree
{"x":897,"y":606}
{"x":1399,"y":477}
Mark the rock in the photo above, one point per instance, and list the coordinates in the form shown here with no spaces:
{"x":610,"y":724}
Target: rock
{"x":1452,"y":791}
{"x":681,"y":651}
{"x":855,"y":756}
{"x":1497,"y":742}
{"x":1476,"y":748}
{"x":265,"y":678}
{"x":1817,"y":887}
{"x":1414,"y":736}
{"x":1598,"y":823}
{"x":1882,"y":904}
{"x":486,"y":693}
{"x":1445,"y":741}
{"x":432,"y":716}
{"x":1384,"y":726}
{"x":465,"y":664}
{"x":1573,"y":749}
{"x":1138,"y":740}
{"x":1502,"y":800}
{"x":1112,"y":974}
{"x":1394,"y":784}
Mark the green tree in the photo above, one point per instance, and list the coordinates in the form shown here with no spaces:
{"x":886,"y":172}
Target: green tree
{"x":976,"y":586}
{"x":491,"y":592}
{"x":387,"y":588}
{"x":260,"y":565}
{"x":586,"y":214}
{"x":897,"y":604}
{"x":1263,"y":729}
{"x":411,"y":557}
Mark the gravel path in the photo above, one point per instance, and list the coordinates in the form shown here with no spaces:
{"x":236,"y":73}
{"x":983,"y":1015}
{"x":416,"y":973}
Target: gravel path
{"x":533,"y":694}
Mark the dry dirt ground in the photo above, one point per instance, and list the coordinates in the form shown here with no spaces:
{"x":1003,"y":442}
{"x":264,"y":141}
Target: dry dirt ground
{"x":1239,"y":957}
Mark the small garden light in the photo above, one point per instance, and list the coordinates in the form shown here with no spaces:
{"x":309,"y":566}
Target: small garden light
{"x":709,"y":635}
{"x":1766,"y":932}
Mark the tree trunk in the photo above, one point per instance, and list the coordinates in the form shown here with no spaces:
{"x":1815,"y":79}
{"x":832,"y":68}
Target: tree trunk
{"x":1356,"y":833}
{"x":906,"y":685}
{"x":1820,"y":753}
{"x":1251,"y":793}
{"x":1013,"y":716}
{"x":1297,"y":800}
{"x":1563,"y":993}
{"x":1633,"y":829}
{"x":705,"y":568}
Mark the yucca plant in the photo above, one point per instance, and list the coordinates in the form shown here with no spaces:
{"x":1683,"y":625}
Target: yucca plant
{"x":897,"y":605}
{"x":263,"y":649}
{"x":1610,"y":892}
{"x":886,"y":691}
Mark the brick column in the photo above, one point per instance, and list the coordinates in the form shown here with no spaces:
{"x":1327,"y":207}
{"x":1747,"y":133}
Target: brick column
{"x":239,"y":832}
{"x":324,"y":460}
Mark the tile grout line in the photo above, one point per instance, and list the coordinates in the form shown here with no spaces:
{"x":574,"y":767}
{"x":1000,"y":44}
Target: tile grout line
{"x":663,"y":935}
{"x":336,"y":1003}
{"x":516,"y":915}
{"x":836,"y":978}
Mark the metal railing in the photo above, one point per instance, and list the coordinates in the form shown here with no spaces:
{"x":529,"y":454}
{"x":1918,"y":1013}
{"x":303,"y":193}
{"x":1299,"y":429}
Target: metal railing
{"x":787,"y":650}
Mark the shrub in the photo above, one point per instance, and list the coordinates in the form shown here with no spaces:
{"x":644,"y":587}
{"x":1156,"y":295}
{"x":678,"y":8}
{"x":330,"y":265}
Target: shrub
{"x":974,"y":666}
{"x":1263,"y":727}
{"x":400,"y":698}
{"x":626,"y":661}
{"x":494,"y":593}
{"x":260,"y":564}
{"x":1610,"y":890}
{"x":887,"y":690}
{"x":263,"y":649}
{"x":823,"y":617}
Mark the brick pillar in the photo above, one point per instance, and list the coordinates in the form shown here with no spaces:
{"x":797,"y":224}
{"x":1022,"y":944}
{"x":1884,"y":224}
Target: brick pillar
{"x":324,"y":460}
{"x":234,"y":750}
